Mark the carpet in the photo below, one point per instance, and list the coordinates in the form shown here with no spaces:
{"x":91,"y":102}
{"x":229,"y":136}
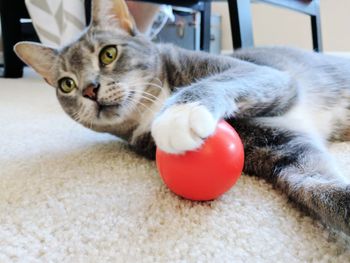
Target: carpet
{"x":68,"y":194}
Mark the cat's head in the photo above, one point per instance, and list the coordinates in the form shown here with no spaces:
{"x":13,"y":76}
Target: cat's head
{"x":103,"y":77}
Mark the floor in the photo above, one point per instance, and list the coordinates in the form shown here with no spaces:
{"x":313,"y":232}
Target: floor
{"x":68,"y":194}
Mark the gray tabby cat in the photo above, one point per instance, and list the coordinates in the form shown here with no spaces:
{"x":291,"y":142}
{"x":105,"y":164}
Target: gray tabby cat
{"x":286,"y":104}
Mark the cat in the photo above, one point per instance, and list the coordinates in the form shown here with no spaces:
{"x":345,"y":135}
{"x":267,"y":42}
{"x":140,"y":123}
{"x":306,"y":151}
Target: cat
{"x":285,"y":103}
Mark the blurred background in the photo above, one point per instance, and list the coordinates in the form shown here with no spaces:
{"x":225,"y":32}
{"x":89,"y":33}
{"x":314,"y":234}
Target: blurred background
{"x":195,"y":24}
{"x":279,"y":26}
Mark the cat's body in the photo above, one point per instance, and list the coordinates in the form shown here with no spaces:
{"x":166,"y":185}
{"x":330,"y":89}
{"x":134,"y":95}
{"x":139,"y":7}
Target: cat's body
{"x":286,"y":104}
{"x":317,"y":102}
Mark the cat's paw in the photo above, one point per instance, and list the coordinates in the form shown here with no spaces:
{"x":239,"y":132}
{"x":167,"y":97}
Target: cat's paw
{"x":183,"y":128}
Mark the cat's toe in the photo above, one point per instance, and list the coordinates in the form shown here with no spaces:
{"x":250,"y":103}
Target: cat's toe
{"x":183,"y":128}
{"x":202,"y":122}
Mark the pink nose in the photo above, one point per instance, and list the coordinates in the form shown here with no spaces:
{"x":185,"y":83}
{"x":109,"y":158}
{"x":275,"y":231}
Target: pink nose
{"x":91,"y":91}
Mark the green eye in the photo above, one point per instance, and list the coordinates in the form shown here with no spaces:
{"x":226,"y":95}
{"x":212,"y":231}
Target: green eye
{"x":67,"y":85}
{"x":108,"y":55}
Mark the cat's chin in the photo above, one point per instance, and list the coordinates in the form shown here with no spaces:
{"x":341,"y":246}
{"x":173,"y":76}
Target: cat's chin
{"x":108,"y":112}
{"x":102,"y":122}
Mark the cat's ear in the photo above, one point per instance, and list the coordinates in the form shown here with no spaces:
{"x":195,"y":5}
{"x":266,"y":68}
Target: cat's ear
{"x":106,"y":11}
{"x":122,"y":14}
{"x":39,"y":57}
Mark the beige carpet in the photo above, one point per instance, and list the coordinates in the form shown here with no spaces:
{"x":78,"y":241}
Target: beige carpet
{"x":68,"y":194}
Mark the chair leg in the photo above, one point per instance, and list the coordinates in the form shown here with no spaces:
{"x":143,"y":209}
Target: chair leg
{"x":205,"y":26}
{"x":87,"y":11}
{"x":316,"y":27}
{"x":11,"y":34}
{"x":241,"y":23}
{"x":316,"y":33}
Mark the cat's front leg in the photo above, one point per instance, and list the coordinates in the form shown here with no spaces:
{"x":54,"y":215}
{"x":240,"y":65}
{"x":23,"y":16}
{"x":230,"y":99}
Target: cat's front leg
{"x":191,"y":115}
{"x":183,"y":127}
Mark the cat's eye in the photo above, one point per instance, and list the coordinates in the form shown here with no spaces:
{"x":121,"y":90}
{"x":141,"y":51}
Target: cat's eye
{"x":67,"y":85}
{"x":108,"y":55}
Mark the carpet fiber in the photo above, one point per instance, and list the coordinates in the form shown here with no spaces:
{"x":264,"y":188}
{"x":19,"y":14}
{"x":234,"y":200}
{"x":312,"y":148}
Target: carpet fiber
{"x":68,"y":194}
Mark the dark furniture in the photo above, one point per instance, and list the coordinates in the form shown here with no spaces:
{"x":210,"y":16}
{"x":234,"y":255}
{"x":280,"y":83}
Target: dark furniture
{"x":202,"y":6}
{"x":241,"y":19}
{"x":13,"y":31}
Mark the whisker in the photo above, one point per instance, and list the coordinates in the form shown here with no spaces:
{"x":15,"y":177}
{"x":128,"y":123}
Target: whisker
{"x":145,"y":83}
{"x":132,"y":108}
{"x":149,"y":99}
{"x":151,"y":81}
{"x":138,"y":102}
{"x":161,"y":83}
{"x":77,"y":112}
{"x":151,"y":95}
{"x":146,"y":107}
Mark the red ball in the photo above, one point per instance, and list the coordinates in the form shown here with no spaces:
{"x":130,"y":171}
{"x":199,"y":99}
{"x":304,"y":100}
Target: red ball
{"x":207,"y":173}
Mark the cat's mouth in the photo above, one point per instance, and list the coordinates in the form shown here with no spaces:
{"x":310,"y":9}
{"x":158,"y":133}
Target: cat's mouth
{"x":107,"y":110}
{"x":112,"y":109}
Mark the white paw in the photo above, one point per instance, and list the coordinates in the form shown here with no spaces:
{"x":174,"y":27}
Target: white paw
{"x":183,"y":128}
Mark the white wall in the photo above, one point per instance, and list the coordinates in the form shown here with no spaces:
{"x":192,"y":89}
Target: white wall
{"x":276,"y":26}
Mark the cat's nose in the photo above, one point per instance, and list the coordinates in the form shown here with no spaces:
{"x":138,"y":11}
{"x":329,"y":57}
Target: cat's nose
{"x":91,"y":91}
